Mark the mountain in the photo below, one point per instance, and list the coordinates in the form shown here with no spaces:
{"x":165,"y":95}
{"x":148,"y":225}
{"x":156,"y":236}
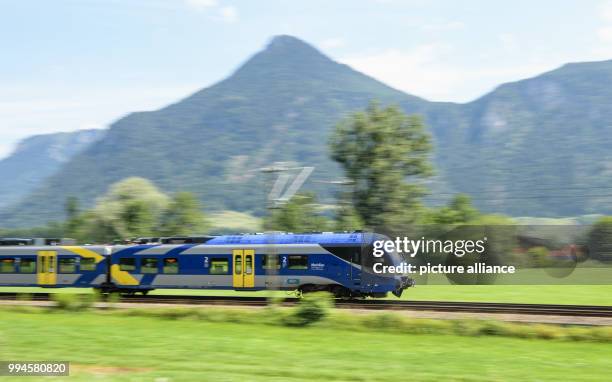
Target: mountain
{"x":278,"y":106}
{"x":536,"y":147}
{"x":36,"y":158}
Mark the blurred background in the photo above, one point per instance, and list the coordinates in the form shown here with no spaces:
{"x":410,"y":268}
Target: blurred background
{"x":512,"y":111}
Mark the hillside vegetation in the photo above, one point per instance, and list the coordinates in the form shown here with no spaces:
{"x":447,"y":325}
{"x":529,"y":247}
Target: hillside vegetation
{"x":537,"y":147}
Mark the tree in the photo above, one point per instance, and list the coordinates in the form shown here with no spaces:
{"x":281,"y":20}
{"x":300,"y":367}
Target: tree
{"x":384,"y":152}
{"x":131,"y":208}
{"x":74,"y":218}
{"x":347,"y":219}
{"x":297,"y":215}
{"x":72,"y":207}
{"x":183,"y":216}
{"x":459,"y":211}
{"x":600,"y":239}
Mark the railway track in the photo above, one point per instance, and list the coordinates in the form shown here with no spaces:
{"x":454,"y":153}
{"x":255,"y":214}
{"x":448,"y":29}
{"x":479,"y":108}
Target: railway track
{"x":439,"y":306}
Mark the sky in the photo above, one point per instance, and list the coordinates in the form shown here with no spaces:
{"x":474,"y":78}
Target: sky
{"x":76,"y":64}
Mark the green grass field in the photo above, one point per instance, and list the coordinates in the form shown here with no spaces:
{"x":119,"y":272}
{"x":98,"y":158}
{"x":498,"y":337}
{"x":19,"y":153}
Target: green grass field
{"x":122,"y":348}
{"x":537,"y":294}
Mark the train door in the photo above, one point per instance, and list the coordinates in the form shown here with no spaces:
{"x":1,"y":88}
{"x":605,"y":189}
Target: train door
{"x":238,"y":278}
{"x":46,"y":270}
{"x":244,"y":268}
{"x":249,"y":268}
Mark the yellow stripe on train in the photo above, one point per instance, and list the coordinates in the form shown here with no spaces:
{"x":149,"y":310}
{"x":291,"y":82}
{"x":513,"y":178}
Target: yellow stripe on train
{"x":122,"y":277}
{"x":84,"y":252}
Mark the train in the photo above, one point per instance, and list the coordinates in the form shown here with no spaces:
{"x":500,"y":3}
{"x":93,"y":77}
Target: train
{"x":337,"y":262}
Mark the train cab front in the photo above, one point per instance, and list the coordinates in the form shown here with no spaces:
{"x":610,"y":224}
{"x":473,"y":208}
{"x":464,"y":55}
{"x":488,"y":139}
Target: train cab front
{"x":388,"y":264}
{"x":402,"y":282}
{"x":399,"y":270}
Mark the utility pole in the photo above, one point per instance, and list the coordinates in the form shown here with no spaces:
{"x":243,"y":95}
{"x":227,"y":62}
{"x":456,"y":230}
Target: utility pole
{"x":276,"y":198}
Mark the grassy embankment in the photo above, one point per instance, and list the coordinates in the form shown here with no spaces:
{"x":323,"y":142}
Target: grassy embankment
{"x":208,"y":344}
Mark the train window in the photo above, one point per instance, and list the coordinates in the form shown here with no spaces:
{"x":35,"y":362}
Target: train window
{"x":248,"y":264}
{"x":219,"y":266}
{"x":52,"y":263}
{"x":7,"y":265}
{"x":148,"y":265}
{"x":67,"y":265}
{"x":127,"y":264}
{"x":27,"y":266}
{"x":88,"y":264}
{"x":298,"y":262}
{"x":270,"y":262}
{"x":171,"y":265}
{"x":238,"y":265}
{"x":346,"y":253}
{"x":356,"y":257}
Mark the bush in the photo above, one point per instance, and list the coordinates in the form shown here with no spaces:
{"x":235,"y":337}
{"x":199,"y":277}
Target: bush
{"x":73,"y":302}
{"x":24,"y":297}
{"x":312,"y":307}
{"x":539,"y":257}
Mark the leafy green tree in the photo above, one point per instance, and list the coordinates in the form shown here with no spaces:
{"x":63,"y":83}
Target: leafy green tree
{"x":138,"y":218}
{"x":132,"y":207}
{"x":347,"y":219}
{"x":51,"y":229}
{"x":72,"y":207}
{"x":298,"y":215}
{"x":183,"y":216}
{"x":74,"y":217}
{"x":600,"y":239}
{"x":459,"y":211}
{"x":385,"y":153}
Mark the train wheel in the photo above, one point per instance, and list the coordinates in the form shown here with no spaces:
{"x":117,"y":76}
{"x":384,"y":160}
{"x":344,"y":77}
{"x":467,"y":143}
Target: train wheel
{"x":339,"y":291}
{"x":307,"y":288}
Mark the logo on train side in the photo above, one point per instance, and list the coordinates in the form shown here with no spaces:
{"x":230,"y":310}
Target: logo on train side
{"x":317,"y":266}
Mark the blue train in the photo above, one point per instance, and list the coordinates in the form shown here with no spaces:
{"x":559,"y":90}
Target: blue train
{"x":340,"y":263}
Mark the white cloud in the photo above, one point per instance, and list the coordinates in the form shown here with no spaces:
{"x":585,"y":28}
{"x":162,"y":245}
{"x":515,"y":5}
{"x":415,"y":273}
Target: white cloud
{"x":416,"y":71}
{"x":229,"y":14}
{"x":332,"y":43}
{"x":432,"y":71}
{"x":201,"y":5}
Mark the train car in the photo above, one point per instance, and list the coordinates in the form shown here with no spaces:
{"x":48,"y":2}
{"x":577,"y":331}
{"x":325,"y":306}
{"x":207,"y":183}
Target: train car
{"x":336,"y":262}
{"x":53,"y":265}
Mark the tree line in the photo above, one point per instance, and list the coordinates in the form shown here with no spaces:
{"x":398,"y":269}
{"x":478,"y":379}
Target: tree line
{"x":386,"y":158}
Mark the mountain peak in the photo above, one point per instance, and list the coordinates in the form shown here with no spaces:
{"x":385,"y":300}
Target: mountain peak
{"x":286,"y":41}
{"x":287,"y":56}
{"x":290,"y":46}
